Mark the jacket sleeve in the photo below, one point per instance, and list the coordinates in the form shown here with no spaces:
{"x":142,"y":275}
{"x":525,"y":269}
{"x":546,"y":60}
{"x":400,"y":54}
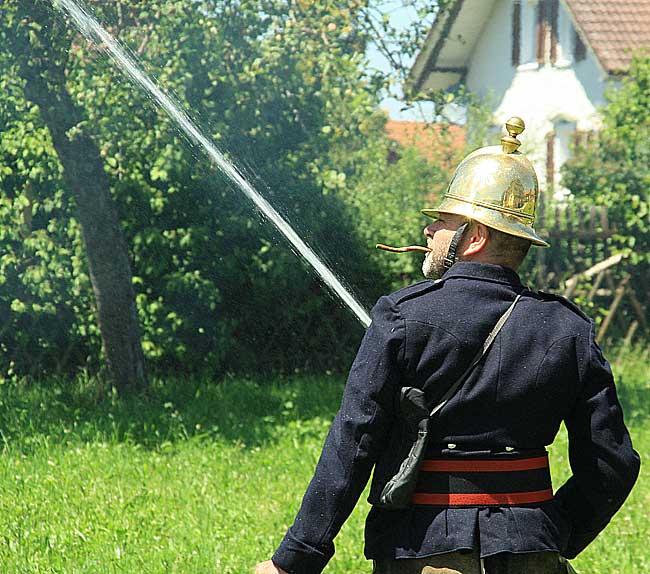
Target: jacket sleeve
{"x":352,"y":445}
{"x":603,"y":462}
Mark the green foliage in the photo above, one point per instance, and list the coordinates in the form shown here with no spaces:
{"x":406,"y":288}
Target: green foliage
{"x":280,"y":87}
{"x":398,"y":45}
{"x":388,"y":187}
{"x":45,"y":291}
{"x":201,"y":477}
{"x":199,"y":253}
{"x":613,"y":169}
{"x":610,"y":169}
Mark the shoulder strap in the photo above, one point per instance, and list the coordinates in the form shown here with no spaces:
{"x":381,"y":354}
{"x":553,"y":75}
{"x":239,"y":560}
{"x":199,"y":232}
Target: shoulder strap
{"x":479,"y":355}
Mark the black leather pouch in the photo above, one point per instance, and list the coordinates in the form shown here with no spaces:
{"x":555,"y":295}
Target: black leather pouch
{"x":399,"y":490}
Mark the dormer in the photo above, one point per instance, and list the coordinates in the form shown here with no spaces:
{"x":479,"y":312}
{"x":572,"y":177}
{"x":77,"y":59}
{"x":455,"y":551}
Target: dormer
{"x":531,"y":32}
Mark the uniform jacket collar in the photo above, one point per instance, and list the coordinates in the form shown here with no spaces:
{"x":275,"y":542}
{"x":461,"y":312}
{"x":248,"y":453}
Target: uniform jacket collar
{"x":486,"y":272}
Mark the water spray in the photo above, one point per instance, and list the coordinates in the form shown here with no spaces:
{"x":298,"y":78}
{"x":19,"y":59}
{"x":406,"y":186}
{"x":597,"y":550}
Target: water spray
{"x":93,"y":31}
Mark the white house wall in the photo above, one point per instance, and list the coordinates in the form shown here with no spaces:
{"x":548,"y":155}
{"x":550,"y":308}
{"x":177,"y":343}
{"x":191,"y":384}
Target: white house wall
{"x":489,"y":71}
{"x":546,"y":96}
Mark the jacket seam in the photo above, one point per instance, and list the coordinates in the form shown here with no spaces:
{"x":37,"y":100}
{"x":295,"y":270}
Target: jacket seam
{"x":348,"y":474}
{"x":426,"y":286}
{"x":404,"y":341}
{"x":433,"y":325}
{"x":516,"y":286}
{"x":539,"y":367}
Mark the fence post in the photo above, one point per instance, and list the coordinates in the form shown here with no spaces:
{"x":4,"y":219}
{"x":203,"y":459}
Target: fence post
{"x":620,"y":291}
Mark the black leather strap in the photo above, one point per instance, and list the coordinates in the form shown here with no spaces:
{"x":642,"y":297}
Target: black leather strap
{"x":451,"y":257}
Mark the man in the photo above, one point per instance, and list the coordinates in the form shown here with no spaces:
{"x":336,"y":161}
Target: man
{"x":483,"y":502}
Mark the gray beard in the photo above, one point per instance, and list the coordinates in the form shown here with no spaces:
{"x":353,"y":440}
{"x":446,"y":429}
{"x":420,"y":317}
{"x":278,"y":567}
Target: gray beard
{"x":433,"y":266}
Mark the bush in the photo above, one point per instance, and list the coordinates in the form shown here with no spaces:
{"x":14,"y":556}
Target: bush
{"x":217,"y":288}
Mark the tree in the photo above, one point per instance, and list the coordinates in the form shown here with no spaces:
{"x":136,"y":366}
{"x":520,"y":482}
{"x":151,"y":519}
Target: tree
{"x":612,"y":167}
{"x":280,"y":86}
{"x":41,"y":48}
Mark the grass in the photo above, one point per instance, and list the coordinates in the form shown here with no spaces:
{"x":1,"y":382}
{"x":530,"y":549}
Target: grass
{"x":201,"y":477}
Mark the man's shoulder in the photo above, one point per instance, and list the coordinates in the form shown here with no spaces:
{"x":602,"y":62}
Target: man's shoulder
{"x":419,"y":289}
{"x":567,"y":304}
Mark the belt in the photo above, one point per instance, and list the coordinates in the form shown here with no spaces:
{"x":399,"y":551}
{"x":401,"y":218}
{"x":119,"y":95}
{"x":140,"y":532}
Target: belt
{"x":498,"y":481}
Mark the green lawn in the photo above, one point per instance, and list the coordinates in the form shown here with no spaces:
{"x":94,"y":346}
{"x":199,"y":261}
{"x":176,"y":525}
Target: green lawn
{"x":202,"y":478}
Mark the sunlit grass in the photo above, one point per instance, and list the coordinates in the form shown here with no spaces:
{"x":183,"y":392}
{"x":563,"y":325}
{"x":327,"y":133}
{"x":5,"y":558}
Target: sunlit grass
{"x":202,"y":477}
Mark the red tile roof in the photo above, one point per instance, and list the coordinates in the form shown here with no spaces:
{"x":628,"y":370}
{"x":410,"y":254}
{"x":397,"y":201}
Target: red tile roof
{"x":432,"y":140}
{"x":613,"y":28}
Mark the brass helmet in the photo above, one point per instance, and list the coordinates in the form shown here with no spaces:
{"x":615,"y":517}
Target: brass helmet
{"x":496,"y":186}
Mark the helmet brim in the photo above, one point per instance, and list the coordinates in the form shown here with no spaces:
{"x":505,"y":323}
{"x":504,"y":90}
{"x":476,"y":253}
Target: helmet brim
{"x":506,"y":223}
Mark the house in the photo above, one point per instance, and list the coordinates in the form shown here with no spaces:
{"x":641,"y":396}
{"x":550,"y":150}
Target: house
{"x":548,"y":61}
{"x":443,"y":145}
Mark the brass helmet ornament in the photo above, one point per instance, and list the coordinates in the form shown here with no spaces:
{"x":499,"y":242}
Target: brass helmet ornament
{"x":496,"y":186}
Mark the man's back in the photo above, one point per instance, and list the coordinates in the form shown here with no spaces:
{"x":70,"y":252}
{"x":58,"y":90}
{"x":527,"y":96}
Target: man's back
{"x":523,"y":388}
{"x":543,"y":368}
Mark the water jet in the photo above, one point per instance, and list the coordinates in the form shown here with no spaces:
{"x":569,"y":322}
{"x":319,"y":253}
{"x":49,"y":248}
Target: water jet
{"x":93,"y":31}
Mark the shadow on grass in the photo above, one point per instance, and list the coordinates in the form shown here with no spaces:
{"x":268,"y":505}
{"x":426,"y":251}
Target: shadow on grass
{"x":240,"y":411}
{"x":236,"y":410}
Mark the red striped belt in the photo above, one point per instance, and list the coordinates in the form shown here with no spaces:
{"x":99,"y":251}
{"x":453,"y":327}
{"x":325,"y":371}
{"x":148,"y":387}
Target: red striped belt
{"x":499,"y":481}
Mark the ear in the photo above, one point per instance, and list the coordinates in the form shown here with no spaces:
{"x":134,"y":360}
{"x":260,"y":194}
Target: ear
{"x":476,"y":239}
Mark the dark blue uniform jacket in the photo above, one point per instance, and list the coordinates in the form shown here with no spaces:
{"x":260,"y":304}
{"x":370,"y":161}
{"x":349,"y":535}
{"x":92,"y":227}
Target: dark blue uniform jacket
{"x":544,"y":368}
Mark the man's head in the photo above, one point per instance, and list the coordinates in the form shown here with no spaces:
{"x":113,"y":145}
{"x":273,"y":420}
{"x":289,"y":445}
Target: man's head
{"x":494,"y":191}
{"x":478,"y":243}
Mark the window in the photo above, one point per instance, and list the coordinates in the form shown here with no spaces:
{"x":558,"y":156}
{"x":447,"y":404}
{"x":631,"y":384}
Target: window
{"x":559,"y":144}
{"x":547,"y":30}
{"x":516,"y":33}
{"x":579,"y":48}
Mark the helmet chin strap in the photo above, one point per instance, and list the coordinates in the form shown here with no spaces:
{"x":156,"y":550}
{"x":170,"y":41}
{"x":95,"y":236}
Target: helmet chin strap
{"x":451,"y":256}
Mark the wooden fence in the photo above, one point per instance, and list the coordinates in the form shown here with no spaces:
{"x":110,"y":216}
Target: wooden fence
{"x":579,"y":237}
{"x":583,"y":264}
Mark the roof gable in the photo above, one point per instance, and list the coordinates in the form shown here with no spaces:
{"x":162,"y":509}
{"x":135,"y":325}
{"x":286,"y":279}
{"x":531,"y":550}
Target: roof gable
{"x":613,"y":29}
{"x":449,"y":44}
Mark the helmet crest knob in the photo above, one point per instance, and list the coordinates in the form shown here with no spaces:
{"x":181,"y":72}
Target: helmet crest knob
{"x":514,"y":126}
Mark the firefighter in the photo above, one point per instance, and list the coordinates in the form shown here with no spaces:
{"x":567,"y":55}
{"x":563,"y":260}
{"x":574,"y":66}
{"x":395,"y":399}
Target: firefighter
{"x":483,"y":501}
